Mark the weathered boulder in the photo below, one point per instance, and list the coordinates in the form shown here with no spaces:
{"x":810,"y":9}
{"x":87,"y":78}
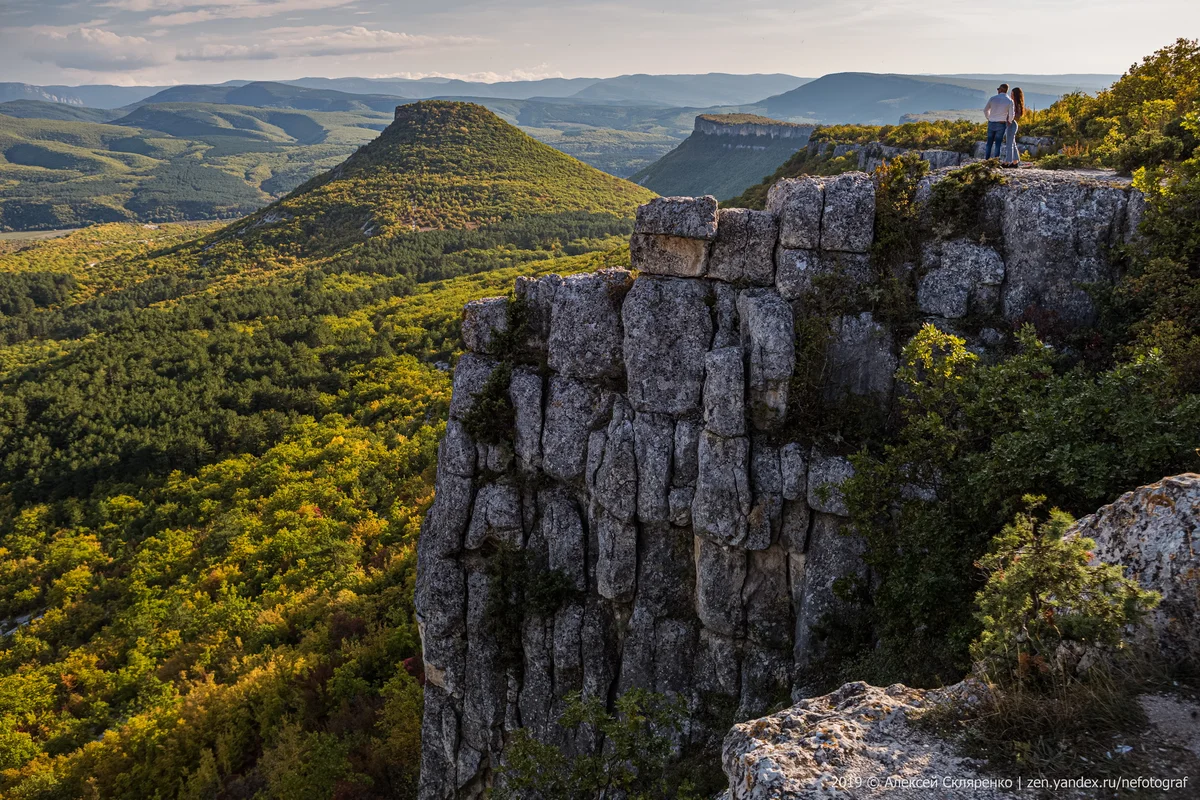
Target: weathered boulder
{"x":720,"y":575}
{"x":848,"y":218}
{"x":689,"y":217}
{"x":562,"y":532}
{"x":939,"y":159}
{"x":769,"y":341}
{"x":585,"y":325}
{"x":482,"y":321}
{"x":960,"y":277}
{"x":1153,"y":532}
{"x":744,"y":247}
{"x":855,"y":742}
{"x":686,"y":455}
{"x":766,"y":483}
{"x":470,"y":374}
{"x":797,"y":203}
{"x":667,"y":330}
{"x":612,"y":471}
{"x":536,"y":296}
{"x":456,"y":453}
{"x":669,"y":255}
{"x":525,"y":392}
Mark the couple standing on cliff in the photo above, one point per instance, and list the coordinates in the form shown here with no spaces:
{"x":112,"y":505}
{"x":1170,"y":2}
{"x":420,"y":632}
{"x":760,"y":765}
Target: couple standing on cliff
{"x":1002,"y":113}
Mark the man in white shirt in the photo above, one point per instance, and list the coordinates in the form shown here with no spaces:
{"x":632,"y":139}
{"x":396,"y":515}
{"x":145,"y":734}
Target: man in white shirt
{"x":999,"y":111}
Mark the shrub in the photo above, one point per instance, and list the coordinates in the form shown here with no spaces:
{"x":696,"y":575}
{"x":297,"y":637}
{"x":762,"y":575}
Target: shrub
{"x":974,"y":438}
{"x":956,"y":205}
{"x":1042,"y":593}
{"x":632,"y":760}
{"x":491,"y":418}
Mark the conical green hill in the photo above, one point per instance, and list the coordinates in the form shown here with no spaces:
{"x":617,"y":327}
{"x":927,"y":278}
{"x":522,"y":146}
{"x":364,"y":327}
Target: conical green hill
{"x":439,"y":166}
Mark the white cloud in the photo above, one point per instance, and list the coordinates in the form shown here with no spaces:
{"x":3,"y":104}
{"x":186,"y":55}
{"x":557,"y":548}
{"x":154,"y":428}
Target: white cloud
{"x":326,"y":41}
{"x":227,"y":52}
{"x":95,"y":49}
{"x":190,"y":13}
{"x":316,"y":41}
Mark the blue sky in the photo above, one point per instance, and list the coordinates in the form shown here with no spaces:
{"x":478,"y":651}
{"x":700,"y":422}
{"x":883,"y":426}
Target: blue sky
{"x":191,"y":41}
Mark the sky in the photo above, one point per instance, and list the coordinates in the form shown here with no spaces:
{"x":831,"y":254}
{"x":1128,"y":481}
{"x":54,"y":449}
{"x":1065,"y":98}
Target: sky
{"x":162,"y":42}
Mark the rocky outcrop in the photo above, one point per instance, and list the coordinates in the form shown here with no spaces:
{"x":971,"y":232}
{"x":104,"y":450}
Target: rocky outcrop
{"x":856,"y":742}
{"x":1154,"y":532}
{"x":752,"y":126}
{"x":870,"y":155}
{"x":652,"y":464}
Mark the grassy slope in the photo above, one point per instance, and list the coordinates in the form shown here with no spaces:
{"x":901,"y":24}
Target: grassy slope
{"x":166,"y":162}
{"x":423,"y":173}
{"x":215,"y":464}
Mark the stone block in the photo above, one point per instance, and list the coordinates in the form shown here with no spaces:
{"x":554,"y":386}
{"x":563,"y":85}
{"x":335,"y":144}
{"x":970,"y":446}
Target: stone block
{"x":723,"y":499}
{"x":797,"y":204}
{"x":573,"y":409}
{"x":769,"y":341}
{"x":667,"y":330}
{"x":960,"y":277}
{"x":848,"y":218}
{"x":585,"y":325}
{"x":720,"y":575}
{"x":799,"y":272}
{"x":724,"y":392}
{"x":669,"y":255}
{"x":482,"y":321}
{"x":689,"y":217}
{"x":745,"y":247}
{"x":861,"y":356}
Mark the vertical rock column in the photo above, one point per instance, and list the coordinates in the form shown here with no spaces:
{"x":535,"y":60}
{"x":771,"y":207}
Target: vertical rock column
{"x":647,"y":464}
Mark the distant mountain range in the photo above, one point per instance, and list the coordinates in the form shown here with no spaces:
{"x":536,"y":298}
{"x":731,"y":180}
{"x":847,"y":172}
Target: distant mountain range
{"x":266,"y":94}
{"x":699,"y":91}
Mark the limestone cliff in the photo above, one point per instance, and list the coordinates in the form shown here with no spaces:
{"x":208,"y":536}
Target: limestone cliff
{"x":648,"y":461}
{"x":751,"y":125}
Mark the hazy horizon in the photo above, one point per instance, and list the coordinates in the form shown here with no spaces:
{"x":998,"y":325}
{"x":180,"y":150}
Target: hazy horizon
{"x":158,"y":42}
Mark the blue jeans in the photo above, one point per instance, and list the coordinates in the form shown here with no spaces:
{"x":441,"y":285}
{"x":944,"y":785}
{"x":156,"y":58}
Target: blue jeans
{"x":1011,"y":154}
{"x":996,"y":131}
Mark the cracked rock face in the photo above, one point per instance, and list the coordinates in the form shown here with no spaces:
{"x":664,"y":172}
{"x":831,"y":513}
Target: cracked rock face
{"x":653,"y":464}
{"x":960,"y":277}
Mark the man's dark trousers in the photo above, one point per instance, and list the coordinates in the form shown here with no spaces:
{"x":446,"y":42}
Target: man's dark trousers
{"x":995,"y":136}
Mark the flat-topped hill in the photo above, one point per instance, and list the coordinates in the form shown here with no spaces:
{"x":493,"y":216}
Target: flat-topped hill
{"x":725,"y":154}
